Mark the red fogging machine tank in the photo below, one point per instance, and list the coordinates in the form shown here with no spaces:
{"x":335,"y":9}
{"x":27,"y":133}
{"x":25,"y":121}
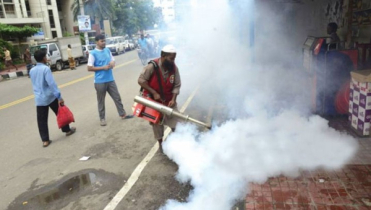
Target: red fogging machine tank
{"x":147,"y":113}
{"x":153,"y":111}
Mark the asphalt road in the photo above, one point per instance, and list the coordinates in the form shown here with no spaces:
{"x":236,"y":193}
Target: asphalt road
{"x":33,"y":177}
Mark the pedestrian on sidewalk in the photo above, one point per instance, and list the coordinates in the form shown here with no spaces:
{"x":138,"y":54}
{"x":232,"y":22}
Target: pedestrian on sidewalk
{"x":160,"y":80}
{"x":47,"y":95}
{"x":8,"y":59}
{"x":27,"y":60}
{"x":71,"y":60}
{"x":101,"y":62}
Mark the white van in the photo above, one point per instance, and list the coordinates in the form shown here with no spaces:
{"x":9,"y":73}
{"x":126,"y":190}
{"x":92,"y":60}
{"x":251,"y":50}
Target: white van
{"x":116,"y":44}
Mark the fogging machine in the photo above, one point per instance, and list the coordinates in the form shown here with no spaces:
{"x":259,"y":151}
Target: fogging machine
{"x":153,"y":112}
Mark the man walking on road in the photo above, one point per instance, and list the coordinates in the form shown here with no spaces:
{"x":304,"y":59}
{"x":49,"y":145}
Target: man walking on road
{"x":47,"y":95}
{"x":27,"y":60}
{"x":8,"y":59}
{"x":101,"y":62}
{"x":161,"y":81}
{"x":143,"y":44}
{"x":71,"y":60}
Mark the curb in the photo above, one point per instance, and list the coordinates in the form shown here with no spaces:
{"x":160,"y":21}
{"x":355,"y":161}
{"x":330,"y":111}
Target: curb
{"x":13,"y":75}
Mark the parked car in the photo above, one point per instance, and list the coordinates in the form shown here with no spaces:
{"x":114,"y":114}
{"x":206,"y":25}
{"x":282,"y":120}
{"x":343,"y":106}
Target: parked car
{"x":128,"y":45}
{"x":132,"y":44}
{"x":86,"y":49}
{"x":116,"y":44}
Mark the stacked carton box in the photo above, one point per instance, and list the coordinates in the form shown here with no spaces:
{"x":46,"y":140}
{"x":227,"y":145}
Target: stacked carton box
{"x":360,"y":102}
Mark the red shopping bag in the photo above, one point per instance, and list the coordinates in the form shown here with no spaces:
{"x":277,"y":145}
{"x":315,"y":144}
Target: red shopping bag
{"x":64,"y":116}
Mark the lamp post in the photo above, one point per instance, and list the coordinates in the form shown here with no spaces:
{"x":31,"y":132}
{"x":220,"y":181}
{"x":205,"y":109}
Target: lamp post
{"x":82,"y":12}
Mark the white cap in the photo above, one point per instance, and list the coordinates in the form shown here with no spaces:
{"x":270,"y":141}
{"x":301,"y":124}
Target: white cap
{"x":169,"y":49}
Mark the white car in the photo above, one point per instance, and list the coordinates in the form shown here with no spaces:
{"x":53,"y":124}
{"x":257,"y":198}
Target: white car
{"x":128,"y":45}
{"x":116,"y":44}
{"x":86,"y":49}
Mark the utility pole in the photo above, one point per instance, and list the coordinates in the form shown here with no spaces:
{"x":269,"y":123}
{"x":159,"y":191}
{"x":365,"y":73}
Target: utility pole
{"x":82,"y":11}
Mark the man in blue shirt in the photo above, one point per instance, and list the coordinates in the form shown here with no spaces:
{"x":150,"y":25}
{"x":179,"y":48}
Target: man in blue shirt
{"x":47,"y":95}
{"x":101,"y":63}
{"x":143,"y":44}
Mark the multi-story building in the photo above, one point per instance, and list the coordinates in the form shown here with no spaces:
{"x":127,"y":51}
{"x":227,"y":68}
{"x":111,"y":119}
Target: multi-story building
{"x":168,"y":10}
{"x":53,"y":17}
{"x":182,"y":8}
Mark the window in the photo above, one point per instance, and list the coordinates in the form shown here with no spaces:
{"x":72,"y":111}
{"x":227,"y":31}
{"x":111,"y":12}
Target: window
{"x":54,"y":34}
{"x":49,"y":2}
{"x":9,"y":9}
{"x":8,"y":1}
{"x":51,"y":19}
{"x":28,"y":9}
{"x":52,"y":47}
{"x":1,"y":12}
{"x":59,"y":5}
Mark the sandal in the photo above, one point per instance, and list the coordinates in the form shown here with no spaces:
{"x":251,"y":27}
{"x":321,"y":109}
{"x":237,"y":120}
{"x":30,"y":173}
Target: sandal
{"x":72,"y":131}
{"x":47,"y":143}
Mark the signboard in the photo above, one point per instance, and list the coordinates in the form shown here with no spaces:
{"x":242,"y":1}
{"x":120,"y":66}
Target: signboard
{"x":39,"y":34}
{"x":84,"y":23}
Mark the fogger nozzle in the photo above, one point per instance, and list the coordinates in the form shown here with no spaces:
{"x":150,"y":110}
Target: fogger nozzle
{"x":168,"y":111}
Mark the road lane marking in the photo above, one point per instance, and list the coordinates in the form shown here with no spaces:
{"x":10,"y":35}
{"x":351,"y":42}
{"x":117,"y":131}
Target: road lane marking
{"x":138,"y":170}
{"x":60,"y":86}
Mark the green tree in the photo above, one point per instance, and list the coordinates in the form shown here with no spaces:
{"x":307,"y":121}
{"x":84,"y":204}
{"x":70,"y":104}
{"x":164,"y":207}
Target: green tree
{"x":9,"y":31}
{"x":96,"y":9}
{"x":132,"y":16}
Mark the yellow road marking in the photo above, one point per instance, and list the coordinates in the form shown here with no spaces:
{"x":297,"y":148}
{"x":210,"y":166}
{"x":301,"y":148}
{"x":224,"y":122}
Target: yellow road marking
{"x":60,"y":86}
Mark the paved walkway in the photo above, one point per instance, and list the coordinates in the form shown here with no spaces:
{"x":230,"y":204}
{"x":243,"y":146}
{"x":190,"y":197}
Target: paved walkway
{"x":12,"y":69}
{"x":5,"y":74}
{"x":12,"y":74}
{"x":345,"y":189}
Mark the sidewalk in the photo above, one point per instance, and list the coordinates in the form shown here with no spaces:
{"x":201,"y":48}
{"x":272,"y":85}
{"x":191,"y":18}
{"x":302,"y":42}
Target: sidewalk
{"x":345,"y":189}
{"x":22,"y":71}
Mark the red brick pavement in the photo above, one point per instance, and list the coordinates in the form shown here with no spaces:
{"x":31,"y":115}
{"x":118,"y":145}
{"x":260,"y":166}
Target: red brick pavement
{"x":345,"y":189}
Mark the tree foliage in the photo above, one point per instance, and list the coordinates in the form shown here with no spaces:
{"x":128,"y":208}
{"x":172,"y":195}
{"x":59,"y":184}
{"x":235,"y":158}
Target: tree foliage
{"x":96,"y":9}
{"x":9,"y":31}
{"x":127,"y":16}
{"x":18,"y":32}
{"x":135,"y":15}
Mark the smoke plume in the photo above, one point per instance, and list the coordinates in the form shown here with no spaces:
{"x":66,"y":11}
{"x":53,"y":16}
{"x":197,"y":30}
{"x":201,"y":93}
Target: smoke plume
{"x":270,"y":130}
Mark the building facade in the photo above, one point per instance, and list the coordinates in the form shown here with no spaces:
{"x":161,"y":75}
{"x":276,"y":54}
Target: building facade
{"x":53,"y":17}
{"x":168,"y":9}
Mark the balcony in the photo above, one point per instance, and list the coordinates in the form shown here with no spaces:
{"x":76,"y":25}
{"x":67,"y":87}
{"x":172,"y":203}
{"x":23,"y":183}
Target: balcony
{"x":10,"y":15}
{"x":20,"y":21}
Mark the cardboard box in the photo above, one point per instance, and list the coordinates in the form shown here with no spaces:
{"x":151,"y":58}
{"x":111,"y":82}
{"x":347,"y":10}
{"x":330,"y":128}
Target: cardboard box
{"x":360,"y":102}
{"x":361,"y":76}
